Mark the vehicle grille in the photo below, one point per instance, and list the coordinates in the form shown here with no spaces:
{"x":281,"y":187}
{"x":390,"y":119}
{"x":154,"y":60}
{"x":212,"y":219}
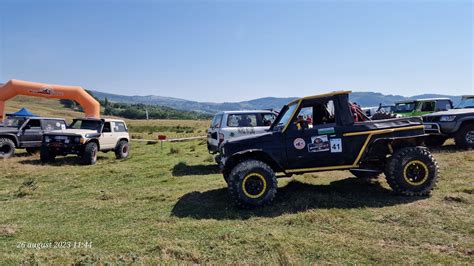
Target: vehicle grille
{"x":431,"y":119}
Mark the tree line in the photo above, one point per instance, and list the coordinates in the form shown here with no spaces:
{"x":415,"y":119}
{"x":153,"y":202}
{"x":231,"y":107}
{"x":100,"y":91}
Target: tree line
{"x":138,"y":110}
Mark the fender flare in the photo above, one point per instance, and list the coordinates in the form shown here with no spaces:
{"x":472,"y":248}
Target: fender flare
{"x":258,"y":154}
{"x":14,"y":137}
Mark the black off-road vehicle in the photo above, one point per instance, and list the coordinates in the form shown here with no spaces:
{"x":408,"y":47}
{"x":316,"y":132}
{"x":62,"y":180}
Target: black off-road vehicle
{"x":26,"y":133}
{"x":319,"y":133}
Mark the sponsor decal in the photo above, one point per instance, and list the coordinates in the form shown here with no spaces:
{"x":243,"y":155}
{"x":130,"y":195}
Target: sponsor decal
{"x":325,"y":131}
{"x":246,"y":130}
{"x":336,"y":145}
{"x":319,"y":144}
{"x":299,"y":143}
{"x":46,"y":91}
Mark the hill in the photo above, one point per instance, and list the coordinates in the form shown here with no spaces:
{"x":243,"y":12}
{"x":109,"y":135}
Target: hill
{"x":362,"y":98}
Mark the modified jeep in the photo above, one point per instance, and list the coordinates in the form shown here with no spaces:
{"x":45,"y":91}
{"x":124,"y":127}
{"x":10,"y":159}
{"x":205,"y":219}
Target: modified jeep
{"x":25,"y":133}
{"x":422,"y":106}
{"x":85,"y":137}
{"x":332,"y":140}
{"x":457,"y":123}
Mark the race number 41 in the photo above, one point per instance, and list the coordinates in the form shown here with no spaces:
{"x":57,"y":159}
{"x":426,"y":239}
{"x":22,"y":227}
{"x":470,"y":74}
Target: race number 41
{"x":336,"y":145}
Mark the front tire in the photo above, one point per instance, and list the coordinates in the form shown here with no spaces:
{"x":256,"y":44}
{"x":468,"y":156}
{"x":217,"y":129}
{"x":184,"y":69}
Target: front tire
{"x":122,"y":150}
{"x":464,"y":138}
{"x":89,"y":156}
{"x":412,"y":171}
{"x":7,"y":148}
{"x":252,"y":183}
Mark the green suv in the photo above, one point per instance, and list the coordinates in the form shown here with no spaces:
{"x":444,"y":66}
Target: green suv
{"x":422,"y":106}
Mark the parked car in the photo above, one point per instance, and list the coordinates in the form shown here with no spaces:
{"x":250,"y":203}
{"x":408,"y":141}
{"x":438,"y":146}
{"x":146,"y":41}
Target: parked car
{"x":422,"y":106}
{"x":25,"y":133}
{"x":85,"y":137}
{"x":456,"y":123}
{"x":233,"y":124}
{"x":333,"y":140}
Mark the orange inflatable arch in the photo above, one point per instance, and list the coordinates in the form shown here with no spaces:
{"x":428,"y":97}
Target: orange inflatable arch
{"x":19,"y":87}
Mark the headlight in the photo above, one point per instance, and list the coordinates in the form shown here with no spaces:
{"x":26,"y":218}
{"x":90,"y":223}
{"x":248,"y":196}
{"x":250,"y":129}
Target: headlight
{"x":47,"y":139}
{"x":447,"y":118}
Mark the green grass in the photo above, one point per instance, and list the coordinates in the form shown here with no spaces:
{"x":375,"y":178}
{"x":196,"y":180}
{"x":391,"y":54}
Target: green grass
{"x":171,"y":205}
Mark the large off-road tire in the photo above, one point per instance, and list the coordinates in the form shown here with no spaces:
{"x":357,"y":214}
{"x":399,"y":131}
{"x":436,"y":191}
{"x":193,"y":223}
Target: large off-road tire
{"x":47,"y":155}
{"x":7,"y":148}
{"x":412,"y":171}
{"x":252,"y":183}
{"x":435,"y":141}
{"x":464,"y":138}
{"x":90,"y":153}
{"x":365,"y":174}
{"x":382,"y":116}
{"x":32,"y":151}
{"x":122,"y":149}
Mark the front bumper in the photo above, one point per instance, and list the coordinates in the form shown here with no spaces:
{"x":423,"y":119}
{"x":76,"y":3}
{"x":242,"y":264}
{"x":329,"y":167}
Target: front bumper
{"x":64,"y":148}
{"x":440,"y":128}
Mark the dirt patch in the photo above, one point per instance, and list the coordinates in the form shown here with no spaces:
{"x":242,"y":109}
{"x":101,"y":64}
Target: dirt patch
{"x":7,"y":230}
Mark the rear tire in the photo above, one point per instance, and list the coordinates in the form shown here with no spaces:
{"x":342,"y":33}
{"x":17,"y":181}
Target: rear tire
{"x":252,"y":183}
{"x":46,"y":155}
{"x":464,"y":138}
{"x":382,"y":116}
{"x":90,"y":153}
{"x":412,"y":171}
{"x":122,"y":149}
{"x":7,"y":148}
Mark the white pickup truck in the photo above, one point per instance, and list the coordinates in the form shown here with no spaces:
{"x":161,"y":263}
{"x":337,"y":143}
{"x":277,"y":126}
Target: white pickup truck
{"x":232,"y":124}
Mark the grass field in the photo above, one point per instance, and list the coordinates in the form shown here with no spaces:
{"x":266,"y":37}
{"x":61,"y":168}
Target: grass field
{"x":171,"y":205}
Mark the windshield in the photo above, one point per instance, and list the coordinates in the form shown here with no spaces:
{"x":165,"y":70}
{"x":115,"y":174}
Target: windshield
{"x":466,"y":103}
{"x":404,"y":107}
{"x":284,"y":117}
{"x":86,"y":124}
{"x":13,"y":122}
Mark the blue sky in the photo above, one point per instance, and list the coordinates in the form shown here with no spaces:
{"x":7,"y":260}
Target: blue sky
{"x":236,"y":50}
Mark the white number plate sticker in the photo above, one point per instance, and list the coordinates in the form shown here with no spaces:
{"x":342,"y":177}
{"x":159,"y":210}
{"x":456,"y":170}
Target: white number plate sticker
{"x":336,"y":145}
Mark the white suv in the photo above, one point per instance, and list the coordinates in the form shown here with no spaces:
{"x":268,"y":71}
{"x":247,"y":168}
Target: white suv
{"x":232,"y":124}
{"x":86,"y":137}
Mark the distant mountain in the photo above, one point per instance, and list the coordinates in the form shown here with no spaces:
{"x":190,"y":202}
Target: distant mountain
{"x":362,"y":98}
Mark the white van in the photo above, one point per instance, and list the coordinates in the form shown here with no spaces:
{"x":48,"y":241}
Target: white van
{"x":231,"y":124}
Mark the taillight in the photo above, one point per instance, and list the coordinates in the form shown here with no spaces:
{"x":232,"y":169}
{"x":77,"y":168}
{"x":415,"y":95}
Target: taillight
{"x":221,"y":138}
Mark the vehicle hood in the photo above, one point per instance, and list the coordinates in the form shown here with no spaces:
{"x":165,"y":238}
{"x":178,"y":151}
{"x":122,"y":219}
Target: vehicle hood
{"x":250,"y":138}
{"x":452,"y":112}
{"x":5,"y":129}
{"x":72,"y":132}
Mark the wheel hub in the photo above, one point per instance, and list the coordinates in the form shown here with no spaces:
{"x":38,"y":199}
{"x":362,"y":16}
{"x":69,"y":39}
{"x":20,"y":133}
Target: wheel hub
{"x":416,"y":172}
{"x":254,"y":185}
{"x":5,"y":149}
{"x":470,"y":137}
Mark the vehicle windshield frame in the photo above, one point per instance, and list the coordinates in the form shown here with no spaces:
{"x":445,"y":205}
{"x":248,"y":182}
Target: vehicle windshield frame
{"x":414,"y":103}
{"x":464,"y":99}
{"x":276,"y":123}
{"x":101,"y":123}
{"x":21,"y":121}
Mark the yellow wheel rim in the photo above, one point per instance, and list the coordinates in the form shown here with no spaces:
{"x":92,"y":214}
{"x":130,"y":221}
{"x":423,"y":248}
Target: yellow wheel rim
{"x":254,"y":185}
{"x":416,"y":172}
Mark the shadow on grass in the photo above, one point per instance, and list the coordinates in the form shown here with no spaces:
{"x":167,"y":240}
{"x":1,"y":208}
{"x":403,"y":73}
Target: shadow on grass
{"x":59,"y":161}
{"x":182,"y":169}
{"x":446,"y":148}
{"x":295,"y":197}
